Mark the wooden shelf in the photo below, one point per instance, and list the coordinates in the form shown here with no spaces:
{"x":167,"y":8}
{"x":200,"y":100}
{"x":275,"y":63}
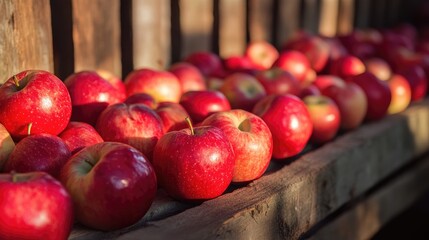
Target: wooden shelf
{"x":287,"y":202}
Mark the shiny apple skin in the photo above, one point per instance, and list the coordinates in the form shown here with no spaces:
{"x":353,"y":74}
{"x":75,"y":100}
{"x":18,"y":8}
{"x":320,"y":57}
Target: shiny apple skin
{"x":289,"y":121}
{"x":90,"y":95}
{"x":200,"y":104}
{"x":190,"y":78}
{"x":41,"y":152}
{"x":112,"y":185}
{"x":78,"y":135}
{"x":251,"y":141}
{"x":34,"y":206}
{"x":134,"y":124}
{"x":194,"y":167}
{"x":41,"y":99}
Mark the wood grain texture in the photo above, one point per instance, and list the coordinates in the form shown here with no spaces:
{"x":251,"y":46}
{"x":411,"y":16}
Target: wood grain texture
{"x":232,"y":35}
{"x":311,"y":16}
{"x":196,"y":21}
{"x":286,"y":203}
{"x":288,"y":20}
{"x":329,"y":17}
{"x":151,"y":33}
{"x":260,"y":20}
{"x":25,"y":37}
{"x":346,"y":16}
{"x":96,"y":35}
{"x":369,"y":215}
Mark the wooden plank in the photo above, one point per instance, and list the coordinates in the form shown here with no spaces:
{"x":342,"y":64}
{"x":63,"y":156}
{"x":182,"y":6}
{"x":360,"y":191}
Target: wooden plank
{"x":368,"y":216}
{"x":329,"y":17}
{"x":362,"y":16}
{"x":232,"y":29}
{"x":96,"y":35}
{"x":26,"y":37}
{"x":162,"y":207}
{"x":346,"y":17}
{"x":196,"y":21}
{"x":261,"y":20}
{"x":311,"y":16}
{"x":286,"y":203}
{"x":288,"y":20}
{"x":151,"y":33}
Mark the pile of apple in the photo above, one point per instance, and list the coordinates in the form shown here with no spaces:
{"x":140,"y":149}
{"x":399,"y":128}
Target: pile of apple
{"x":95,"y":149}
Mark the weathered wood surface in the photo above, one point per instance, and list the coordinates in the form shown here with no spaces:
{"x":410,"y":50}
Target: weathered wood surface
{"x":369,"y":215}
{"x":261,"y":19}
{"x":151,"y":33}
{"x":329,"y":11}
{"x":286,"y":203}
{"x":311,"y":16}
{"x":96,"y":35}
{"x":196,"y":21}
{"x":288,"y":20}
{"x":346,"y":17}
{"x":232,"y":27}
{"x":25,"y":37}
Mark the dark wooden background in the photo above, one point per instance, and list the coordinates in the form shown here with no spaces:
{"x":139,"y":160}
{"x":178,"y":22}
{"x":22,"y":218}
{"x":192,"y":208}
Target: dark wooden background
{"x":72,"y":35}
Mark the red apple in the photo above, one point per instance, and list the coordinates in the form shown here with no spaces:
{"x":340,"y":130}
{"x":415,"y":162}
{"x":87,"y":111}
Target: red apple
{"x":379,"y":67}
{"x":310,"y":90}
{"x":314,"y":48}
{"x":200,"y":104}
{"x":142,"y":98}
{"x":401,"y":93}
{"x":201,"y":167}
{"x":262,"y":54}
{"x":189,"y":76}
{"x":324,"y":81}
{"x":351,"y":102}
{"x":163,"y":86}
{"x":6,"y":145}
{"x":90,"y":95}
{"x":208,"y":63}
{"x":242,"y":90}
{"x":172,"y":116}
{"x":347,"y":66}
{"x":289,"y":121}
{"x":278,"y":81}
{"x":78,"y":135}
{"x":325,"y":116}
{"x":34,"y":206}
{"x":251,"y":141}
{"x":40,"y":152}
{"x":236,"y":64}
{"x":377,"y":93}
{"x":112,"y":185}
{"x":418,"y":81}
{"x":36,"y":97}
{"x":134,"y":124}
{"x":113,"y":79}
{"x":294,"y":62}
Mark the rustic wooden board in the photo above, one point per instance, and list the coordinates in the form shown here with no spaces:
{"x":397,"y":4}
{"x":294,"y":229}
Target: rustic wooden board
{"x":288,"y":20}
{"x":25,"y":37}
{"x":346,"y":17}
{"x":96,"y":35}
{"x":151,"y":33}
{"x":286,"y":203}
{"x":261,"y":20}
{"x":232,"y":27}
{"x":329,"y":17}
{"x":196,"y":21}
{"x":311,"y":16}
{"x":363,"y":13}
{"x":370,"y":214}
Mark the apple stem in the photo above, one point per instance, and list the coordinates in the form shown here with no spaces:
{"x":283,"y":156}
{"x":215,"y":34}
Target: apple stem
{"x":188,"y":120}
{"x":15,"y":80}
{"x":29,"y":128}
{"x":14,"y":176}
{"x":89,"y":162}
